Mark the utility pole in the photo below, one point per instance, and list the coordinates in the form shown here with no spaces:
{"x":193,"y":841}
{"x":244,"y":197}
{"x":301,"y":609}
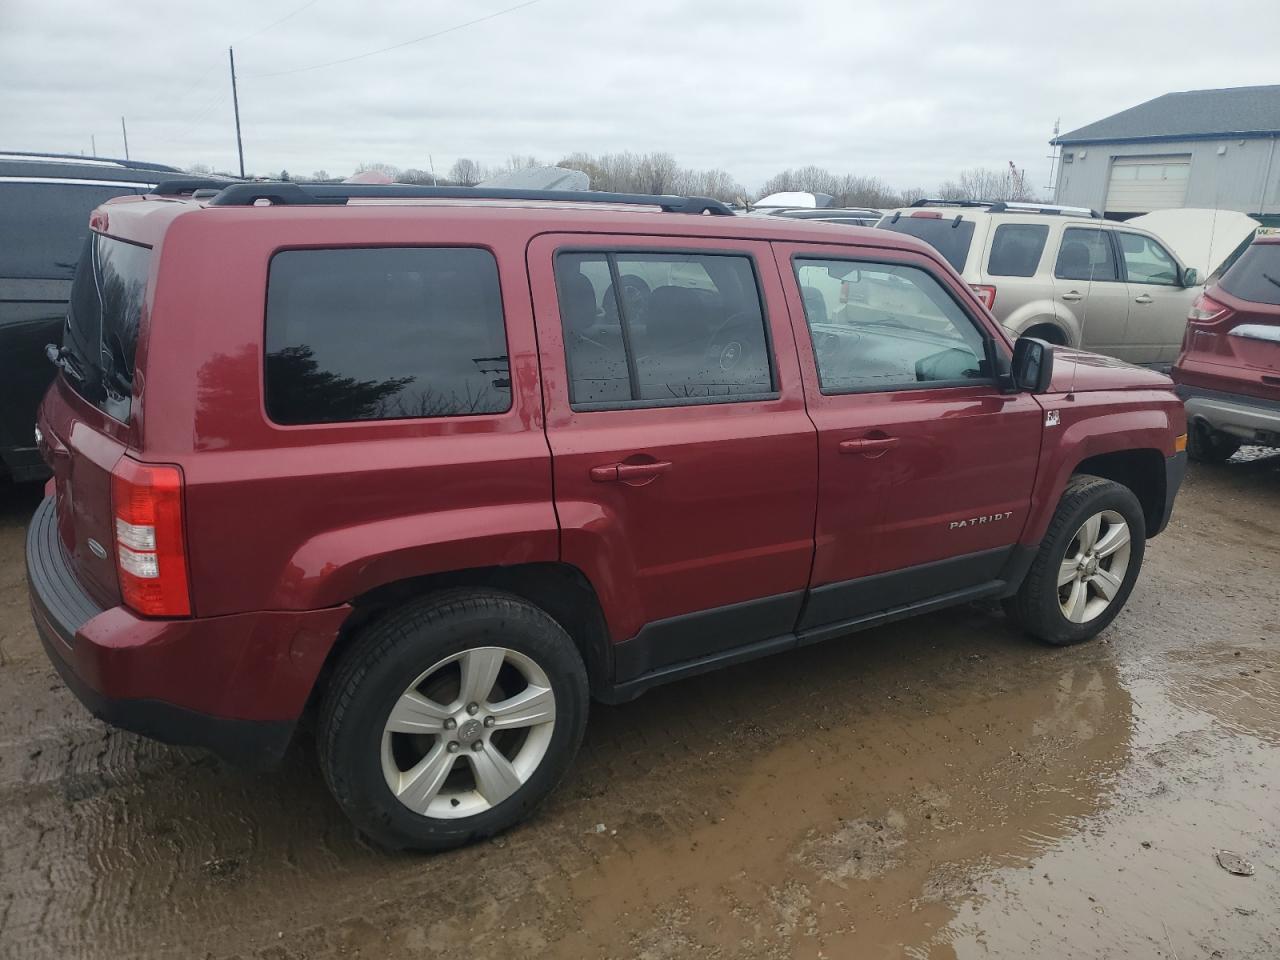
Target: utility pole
{"x":93,"y":144}
{"x":235,"y":100}
{"x":125,"y":132}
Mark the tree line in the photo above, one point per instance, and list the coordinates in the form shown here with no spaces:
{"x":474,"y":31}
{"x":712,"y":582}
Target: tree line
{"x":658,"y":172}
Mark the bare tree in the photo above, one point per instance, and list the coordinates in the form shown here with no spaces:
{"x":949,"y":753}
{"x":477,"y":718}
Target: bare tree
{"x":384,"y":168}
{"x":414,"y":175}
{"x":983,"y":183}
{"x":200,"y":169}
{"x":467,"y":173}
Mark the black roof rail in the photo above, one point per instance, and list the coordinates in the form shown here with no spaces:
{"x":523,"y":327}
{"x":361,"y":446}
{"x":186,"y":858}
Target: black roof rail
{"x":312,"y":194}
{"x":937,"y":202}
{"x":185,"y":186}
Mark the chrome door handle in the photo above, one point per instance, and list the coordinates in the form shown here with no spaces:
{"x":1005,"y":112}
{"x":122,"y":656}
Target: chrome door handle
{"x":1145,"y":298}
{"x":1072,"y":297}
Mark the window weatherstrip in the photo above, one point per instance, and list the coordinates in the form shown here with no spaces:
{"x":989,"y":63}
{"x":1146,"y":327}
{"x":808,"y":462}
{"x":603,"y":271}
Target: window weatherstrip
{"x":624,"y":318}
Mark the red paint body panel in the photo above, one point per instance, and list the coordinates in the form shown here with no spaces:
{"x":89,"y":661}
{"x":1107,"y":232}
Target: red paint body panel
{"x":286,"y":526}
{"x":733,"y":518}
{"x":959,"y":452}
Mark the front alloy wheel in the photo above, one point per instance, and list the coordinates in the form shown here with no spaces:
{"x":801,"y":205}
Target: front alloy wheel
{"x":1094,"y":567}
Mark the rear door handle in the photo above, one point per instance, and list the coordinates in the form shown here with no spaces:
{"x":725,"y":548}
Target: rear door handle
{"x":867,"y":446}
{"x":629,"y":472}
{"x":1072,"y":297}
{"x":1145,"y":298}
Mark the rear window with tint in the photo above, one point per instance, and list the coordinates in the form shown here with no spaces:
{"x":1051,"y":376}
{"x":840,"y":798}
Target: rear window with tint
{"x":101,"y":334}
{"x":949,"y":236}
{"x":1256,"y":275}
{"x":385,"y":334}
{"x":1016,"y":249}
{"x":43,"y":226}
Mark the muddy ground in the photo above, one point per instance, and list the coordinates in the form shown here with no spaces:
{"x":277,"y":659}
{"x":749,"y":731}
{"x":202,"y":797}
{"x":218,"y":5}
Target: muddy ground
{"x":935,"y":789}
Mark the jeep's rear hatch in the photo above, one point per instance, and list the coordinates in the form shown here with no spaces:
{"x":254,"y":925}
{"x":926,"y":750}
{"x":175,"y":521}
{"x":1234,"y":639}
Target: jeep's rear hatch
{"x":86,"y":416}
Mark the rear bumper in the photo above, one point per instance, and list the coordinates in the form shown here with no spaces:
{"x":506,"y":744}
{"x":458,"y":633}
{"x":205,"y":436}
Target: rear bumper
{"x":1251,"y":419}
{"x":235,"y":685}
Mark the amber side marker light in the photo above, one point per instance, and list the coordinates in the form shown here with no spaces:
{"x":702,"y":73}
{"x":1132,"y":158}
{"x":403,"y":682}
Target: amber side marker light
{"x":1180,"y":444}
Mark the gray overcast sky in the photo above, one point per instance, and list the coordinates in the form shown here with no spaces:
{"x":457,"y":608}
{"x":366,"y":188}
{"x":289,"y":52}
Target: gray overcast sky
{"x":909,"y":90}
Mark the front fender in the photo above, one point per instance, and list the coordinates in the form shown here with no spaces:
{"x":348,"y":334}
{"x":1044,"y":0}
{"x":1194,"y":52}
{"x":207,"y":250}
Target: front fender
{"x":338,"y":565}
{"x":1093,"y":424}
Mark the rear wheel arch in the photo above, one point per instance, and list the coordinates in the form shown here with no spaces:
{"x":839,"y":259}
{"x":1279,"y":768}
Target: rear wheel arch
{"x":561,"y":590}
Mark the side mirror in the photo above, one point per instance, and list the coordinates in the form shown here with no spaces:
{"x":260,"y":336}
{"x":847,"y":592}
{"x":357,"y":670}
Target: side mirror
{"x":1190,"y":277}
{"x":1032,"y":364}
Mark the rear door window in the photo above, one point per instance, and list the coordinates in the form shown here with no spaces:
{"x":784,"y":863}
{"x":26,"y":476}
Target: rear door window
{"x":662,"y":328}
{"x":1256,"y":275}
{"x":101,"y":334}
{"x":1016,"y":249}
{"x":385,"y":334}
{"x":43,"y":226}
{"x":1085,"y":254}
{"x":950,"y":236}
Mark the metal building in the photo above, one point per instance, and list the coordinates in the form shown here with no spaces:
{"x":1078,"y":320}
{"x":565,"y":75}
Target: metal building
{"x":1199,"y":148}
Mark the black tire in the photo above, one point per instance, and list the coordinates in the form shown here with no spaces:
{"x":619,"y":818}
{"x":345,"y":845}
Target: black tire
{"x":1036,"y":607}
{"x":382,"y":663}
{"x":1206,"y":445}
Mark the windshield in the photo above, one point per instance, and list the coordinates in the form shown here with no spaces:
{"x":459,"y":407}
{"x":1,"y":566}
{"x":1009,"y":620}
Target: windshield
{"x":101,"y":334}
{"x":950,"y":237}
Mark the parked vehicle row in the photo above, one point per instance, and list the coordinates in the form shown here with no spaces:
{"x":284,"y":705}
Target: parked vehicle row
{"x":441,"y":472}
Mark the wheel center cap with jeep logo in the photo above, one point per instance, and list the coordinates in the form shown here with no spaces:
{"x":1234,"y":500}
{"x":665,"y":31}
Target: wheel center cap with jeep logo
{"x":469,"y":732}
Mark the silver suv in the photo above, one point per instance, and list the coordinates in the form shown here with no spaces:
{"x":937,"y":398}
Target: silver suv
{"x":1062,"y":273}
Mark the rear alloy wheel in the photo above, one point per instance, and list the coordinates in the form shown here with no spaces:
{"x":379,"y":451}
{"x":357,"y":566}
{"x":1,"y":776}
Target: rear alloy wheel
{"x":451,"y":717}
{"x":1086,"y":566}
{"x":462,"y":752}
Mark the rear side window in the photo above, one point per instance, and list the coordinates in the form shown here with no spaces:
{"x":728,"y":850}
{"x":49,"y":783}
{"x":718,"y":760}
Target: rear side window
{"x":101,"y":334}
{"x":951,"y":237}
{"x":663,"y":328}
{"x":1256,"y":275}
{"x":1085,"y":255}
{"x":43,"y":226}
{"x":1016,"y":249}
{"x":384,"y":334}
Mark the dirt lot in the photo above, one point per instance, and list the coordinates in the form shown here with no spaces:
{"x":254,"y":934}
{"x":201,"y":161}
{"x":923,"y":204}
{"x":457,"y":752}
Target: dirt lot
{"x":939,"y":788}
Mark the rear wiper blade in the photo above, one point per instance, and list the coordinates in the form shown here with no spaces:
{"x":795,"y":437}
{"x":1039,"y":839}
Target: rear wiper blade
{"x":65,"y":360}
{"x":1271,"y":278}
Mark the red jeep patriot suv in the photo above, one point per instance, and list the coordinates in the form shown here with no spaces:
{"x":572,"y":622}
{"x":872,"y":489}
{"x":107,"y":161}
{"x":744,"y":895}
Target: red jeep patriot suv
{"x":441,"y":465}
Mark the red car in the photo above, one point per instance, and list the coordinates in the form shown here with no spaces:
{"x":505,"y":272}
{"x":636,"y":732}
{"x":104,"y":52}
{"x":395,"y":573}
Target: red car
{"x":441,"y":465}
{"x":1229,"y":370}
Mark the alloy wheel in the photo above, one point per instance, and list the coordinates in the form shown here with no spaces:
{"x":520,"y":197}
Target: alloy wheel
{"x":468,"y":732}
{"x":1094,"y":567}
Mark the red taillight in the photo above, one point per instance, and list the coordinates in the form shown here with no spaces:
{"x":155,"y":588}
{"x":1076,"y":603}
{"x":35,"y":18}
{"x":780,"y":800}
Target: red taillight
{"x":99,"y":221}
{"x":927,"y":215}
{"x":151,"y":552}
{"x":986,"y":293}
{"x":1206,"y":310}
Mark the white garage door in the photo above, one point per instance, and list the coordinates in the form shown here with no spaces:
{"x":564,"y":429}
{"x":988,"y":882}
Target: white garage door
{"x":1143,"y":184}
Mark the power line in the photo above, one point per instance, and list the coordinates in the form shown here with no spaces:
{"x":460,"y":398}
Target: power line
{"x":395,"y":46}
{"x":276,"y":23}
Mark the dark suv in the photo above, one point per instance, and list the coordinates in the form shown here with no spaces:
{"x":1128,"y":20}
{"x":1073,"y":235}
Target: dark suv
{"x":45,"y":201}
{"x":442,"y":464}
